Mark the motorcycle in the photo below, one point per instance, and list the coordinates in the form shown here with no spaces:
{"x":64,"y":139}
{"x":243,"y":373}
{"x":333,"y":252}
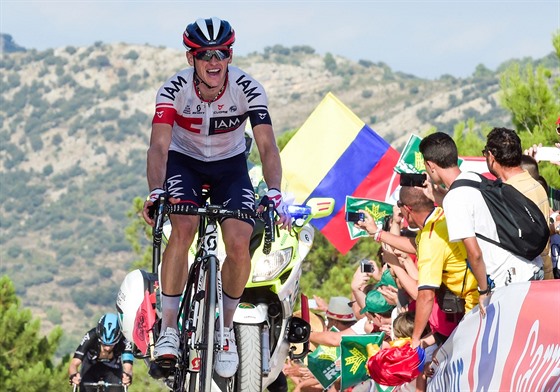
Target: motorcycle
{"x":264,"y":324}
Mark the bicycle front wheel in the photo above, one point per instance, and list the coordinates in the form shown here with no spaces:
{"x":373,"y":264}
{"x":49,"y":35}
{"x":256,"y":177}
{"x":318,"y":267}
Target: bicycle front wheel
{"x":208,"y":325}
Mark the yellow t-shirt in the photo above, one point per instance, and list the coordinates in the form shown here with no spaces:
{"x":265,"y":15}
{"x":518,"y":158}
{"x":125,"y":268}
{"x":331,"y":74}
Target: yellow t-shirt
{"x":440,"y":260}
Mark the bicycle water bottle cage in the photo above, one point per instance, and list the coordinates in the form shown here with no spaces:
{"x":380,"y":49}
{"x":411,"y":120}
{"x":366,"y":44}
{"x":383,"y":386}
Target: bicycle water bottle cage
{"x":298,"y":330}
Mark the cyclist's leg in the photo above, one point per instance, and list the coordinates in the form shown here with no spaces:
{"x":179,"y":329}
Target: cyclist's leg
{"x":91,"y":373}
{"x":183,"y":183}
{"x":232,"y":184}
{"x":234,"y":187}
{"x":237,"y":265}
{"x":113,"y":376}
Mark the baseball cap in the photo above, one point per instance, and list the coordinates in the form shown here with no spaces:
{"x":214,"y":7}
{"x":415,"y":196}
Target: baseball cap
{"x":376,"y":303}
{"x":386,"y":280}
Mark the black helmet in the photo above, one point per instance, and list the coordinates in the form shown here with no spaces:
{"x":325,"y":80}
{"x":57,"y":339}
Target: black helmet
{"x":207,"y":33}
{"x":108,"y":329}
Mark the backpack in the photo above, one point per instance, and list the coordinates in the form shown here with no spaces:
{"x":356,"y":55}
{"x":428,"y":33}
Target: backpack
{"x":521,"y":226}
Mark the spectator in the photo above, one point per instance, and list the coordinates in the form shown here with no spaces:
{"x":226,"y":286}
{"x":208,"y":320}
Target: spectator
{"x":406,"y":272}
{"x":441,"y":264}
{"x":555,"y":245}
{"x":466,"y":214}
{"x":360,"y":288}
{"x":340,"y":314}
{"x":503,"y":157}
{"x":403,"y":326}
{"x":529,"y":164}
{"x":378,"y":311}
{"x":553,"y":194}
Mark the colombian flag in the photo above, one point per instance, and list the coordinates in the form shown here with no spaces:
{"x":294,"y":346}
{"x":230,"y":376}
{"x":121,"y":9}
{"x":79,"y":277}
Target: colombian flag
{"x":335,"y":154}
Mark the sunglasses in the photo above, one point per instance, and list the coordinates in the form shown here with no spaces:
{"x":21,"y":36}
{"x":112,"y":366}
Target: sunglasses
{"x":207,"y":54}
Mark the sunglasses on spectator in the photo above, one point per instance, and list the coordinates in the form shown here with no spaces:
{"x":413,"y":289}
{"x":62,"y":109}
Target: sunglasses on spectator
{"x":207,"y":54}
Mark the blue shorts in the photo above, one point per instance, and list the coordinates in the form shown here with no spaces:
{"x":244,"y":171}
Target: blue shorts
{"x":228,"y":180}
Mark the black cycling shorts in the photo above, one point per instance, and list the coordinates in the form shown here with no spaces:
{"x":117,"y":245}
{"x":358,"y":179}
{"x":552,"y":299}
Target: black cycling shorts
{"x":228,"y":179}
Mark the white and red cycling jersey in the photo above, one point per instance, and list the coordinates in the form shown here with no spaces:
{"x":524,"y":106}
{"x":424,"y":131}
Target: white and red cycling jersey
{"x":210,"y":131}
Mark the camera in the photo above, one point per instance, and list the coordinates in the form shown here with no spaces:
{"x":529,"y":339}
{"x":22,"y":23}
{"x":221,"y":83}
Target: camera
{"x":355,"y":216}
{"x":366,"y":266}
{"x":413,"y":179}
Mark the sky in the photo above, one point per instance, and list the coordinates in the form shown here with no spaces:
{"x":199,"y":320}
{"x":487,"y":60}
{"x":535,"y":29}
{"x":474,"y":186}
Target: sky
{"x":424,"y":38}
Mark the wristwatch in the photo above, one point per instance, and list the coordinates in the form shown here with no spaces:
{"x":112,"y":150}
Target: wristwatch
{"x":483,"y":292}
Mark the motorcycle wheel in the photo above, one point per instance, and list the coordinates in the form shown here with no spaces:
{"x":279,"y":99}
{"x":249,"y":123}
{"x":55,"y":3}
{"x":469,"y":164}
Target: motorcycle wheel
{"x":249,"y":348}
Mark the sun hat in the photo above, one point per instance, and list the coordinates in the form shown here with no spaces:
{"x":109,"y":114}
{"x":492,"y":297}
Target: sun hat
{"x":376,"y":303}
{"x":339,"y":309}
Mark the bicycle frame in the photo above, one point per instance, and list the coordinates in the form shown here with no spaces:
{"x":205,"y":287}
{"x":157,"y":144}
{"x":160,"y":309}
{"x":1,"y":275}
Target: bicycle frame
{"x":200,"y":304}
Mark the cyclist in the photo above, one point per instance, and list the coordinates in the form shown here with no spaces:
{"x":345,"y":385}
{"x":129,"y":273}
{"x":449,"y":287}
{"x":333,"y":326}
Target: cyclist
{"x":104,"y":354}
{"x":198,"y":138}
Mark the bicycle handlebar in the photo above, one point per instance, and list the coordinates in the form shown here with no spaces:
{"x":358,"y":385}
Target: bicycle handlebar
{"x":214,"y":211}
{"x":100,"y":384}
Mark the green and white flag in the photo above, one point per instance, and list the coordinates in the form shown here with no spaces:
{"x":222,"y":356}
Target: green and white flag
{"x":411,"y":160}
{"x":324,"y":364}
{"x":354,"y":356}
{"x":377,"y":209}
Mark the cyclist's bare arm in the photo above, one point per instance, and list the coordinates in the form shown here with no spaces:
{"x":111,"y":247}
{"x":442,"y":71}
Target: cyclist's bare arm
{"x":270,"y":158}
{"x":157,"y":161}
{"x":74,"y":369}
{"x":127,"y":373}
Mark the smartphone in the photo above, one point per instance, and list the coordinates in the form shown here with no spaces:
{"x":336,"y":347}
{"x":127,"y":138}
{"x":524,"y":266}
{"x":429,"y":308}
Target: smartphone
{"x":366,"y":266}
{"x":312,"y":303}
{"x":548,"y":154}
{"x":355,"y":216}
{"x":413,"y":179}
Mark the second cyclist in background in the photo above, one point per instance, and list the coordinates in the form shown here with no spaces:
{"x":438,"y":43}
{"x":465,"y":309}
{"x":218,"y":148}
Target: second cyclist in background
{"x":104,"y":354}
{"x":198,"y":138}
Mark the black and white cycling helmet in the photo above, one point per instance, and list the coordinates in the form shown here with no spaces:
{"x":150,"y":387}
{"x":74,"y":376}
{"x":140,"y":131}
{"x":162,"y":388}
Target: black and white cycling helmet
{"x":108,"y":329}
{"x":207,"y":33}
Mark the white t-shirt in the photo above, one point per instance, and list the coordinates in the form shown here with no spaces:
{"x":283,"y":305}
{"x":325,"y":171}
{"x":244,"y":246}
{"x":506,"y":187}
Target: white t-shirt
{"x":359,"y":327}
{"x":467,"y":214}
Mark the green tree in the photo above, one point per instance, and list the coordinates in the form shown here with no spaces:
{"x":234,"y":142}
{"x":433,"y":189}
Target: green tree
{"x":26,"y":357}
{"x":532,"y":95}
{"x":330,"y":63}
{"x":139,"y":234}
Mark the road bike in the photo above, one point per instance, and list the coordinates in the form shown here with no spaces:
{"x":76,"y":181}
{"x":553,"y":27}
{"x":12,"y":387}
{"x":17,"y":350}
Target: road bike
{"x":265,"y":326}
{"x":202,"y":300}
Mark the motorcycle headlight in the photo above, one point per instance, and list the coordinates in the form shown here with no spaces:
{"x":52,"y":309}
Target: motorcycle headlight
{"x":270,"y":266}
